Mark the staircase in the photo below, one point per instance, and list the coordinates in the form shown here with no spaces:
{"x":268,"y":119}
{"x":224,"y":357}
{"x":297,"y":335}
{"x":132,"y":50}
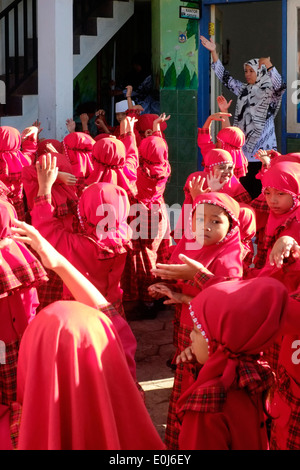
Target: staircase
{"x":95,"y":23}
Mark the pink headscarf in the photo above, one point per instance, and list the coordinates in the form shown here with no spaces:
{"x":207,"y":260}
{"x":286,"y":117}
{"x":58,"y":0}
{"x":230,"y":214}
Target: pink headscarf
{"x":154,"y":170}
{"x":12,"y":159}
{"x":78,"y":147}
{"x":85,"y":398}
{"x":237,"y":331}
{"x":63,"y":197}
{"x":109,"y":156}
{"x":285,"y":177}
{"x":222,"y":259}
{"x":233,"y":139}
{"x":103,"y":209}
{"x":42,"y":146}
{"x":233,"y":188}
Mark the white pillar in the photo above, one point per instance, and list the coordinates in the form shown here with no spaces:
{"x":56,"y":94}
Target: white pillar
{"x":55,"y":66}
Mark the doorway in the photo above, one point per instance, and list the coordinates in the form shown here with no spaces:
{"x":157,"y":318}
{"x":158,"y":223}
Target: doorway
{"x":244,"y":30}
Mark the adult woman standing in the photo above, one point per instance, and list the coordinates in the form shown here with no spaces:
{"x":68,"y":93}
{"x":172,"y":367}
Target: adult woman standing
{"x":258,"y":102}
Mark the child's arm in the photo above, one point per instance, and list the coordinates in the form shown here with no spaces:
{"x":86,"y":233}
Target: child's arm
{"x":101,"y":122}
{"x":221,"y":116}
{"x":185,"y":271}
{"x":84,"y":121}
{"x":128,"y":96}
{"x":224,"y":106}
{"x":80,"y":287}
{"x":164,"y":291}
{"x":157,"y":121}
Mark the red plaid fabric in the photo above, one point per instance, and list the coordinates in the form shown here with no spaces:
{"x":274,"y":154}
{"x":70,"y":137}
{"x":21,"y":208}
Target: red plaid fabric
{"x":8,"y":374}
{"x":244,"y":196}
{"x":293,"y":423}
{"x":50,"y":291}
{"x":152,"y":247}
{"x":15,"y":420}
{"x":30,"y":274}
{"x":185,"y":375}
{"x":255,"y":377}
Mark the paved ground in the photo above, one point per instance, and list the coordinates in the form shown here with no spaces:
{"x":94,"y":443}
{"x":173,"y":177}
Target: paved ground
{"x":154,"y":348}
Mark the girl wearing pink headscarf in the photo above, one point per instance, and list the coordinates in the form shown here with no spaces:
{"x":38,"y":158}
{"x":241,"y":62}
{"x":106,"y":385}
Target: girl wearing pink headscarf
{"x":78,"y":148}
{"x":216,"y":176}
{"x":12,"y":161}
{"x":85,"y":398}
{"x":229,"y":138}
{"x":224,"y":408}
{"x":115,"y":161}
{"x":20,"y":275}
{"x":153,"y":242}
{"x":99,"y":250}
{"x":281,"y":189}
{"x":215,"y":242}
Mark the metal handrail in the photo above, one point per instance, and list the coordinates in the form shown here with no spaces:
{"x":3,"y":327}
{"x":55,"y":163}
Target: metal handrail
{"x":17,"y":14}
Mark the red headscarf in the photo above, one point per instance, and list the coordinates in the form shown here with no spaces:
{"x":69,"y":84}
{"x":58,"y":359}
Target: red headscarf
{"x":78,"y":147}
{"x":85,"y":398}
{"x":153,"y":171}
{"x":109,"y":156}
{"x":63,"y":197}
{"x":237,"y":331}
{"x":233,"y":139}
{"x":222,"y":259}
{"x":285,"y":177}
{"x":42,"y":146}
{"x":19,"y":268}
{"x":103,"y":209}
{"x":145,"y":122}
{"x":12,"y":159}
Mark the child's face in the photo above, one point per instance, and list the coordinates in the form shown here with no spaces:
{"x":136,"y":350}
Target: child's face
{"x":250,"y":75}
{"x":225,"y":171}
{"x":210,"y":224}
{"x":199,"y":345}
{"x":120,"y":117}
{"x":279,"y":202}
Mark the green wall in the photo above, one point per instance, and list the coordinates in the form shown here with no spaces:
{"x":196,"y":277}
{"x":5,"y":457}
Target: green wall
{"x":175,"y":58}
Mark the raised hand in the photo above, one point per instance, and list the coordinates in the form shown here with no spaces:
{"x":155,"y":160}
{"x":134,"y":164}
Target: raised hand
{"x":46,"y":173}
{"x":196,"y":186}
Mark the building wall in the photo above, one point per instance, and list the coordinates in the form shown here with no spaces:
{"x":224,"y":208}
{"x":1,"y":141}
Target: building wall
{"x":176,"y":39}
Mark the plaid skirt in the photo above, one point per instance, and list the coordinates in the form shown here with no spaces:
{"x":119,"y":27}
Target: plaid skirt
{"x":145,"y":253}
{"x":185,"y":376}
{"x":285,"y":430}
{"x":8,"y":373}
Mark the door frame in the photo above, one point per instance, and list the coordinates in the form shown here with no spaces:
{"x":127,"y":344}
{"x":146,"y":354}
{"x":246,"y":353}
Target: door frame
{"x":204,"y":66}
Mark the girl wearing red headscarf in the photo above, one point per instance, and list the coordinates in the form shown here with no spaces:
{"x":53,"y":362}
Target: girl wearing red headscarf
{"x":212,"y":238}
{"x":281,"y":189}
{"x":229,"y":138}
{"x":216,"y":176}
{"x":20,"y":274}
{"x":12,"y":161}
{"x":64,"y":200}
{"x":115,"y":161}
{"x":99,"y":250}
{"x":153,"y":241}
{"x":224,"y":408}
{"x":85,"y":397}
{"x":78,"y":148}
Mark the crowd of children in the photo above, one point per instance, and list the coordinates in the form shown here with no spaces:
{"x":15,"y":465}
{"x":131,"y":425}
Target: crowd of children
{"x":86,"y":245}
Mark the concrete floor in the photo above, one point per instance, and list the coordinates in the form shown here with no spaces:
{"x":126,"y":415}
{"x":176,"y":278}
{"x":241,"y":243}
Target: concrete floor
{"x":154,"y":348}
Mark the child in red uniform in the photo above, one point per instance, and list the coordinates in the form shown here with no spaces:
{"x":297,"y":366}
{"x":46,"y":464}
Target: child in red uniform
{"x":215,"y":242}
{"x":229,"y":138}
{"x":74,"y":338}
{"x":99,"y":250}
{"x":223,"y":409}
{"x":20,"y":275}
{"x":285,"y":400}
{"x":218,"y":175}
{"x":12,"y":161}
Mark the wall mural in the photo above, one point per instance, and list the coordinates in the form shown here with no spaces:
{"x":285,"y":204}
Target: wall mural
{"x":179,"y":49}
